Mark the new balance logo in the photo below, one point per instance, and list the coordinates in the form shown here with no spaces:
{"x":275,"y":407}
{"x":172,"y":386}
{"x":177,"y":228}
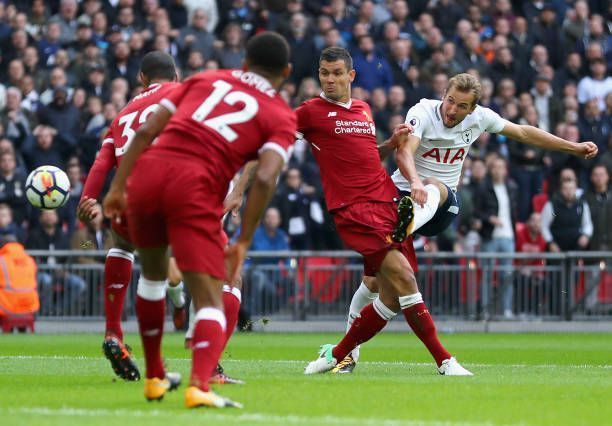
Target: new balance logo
{"x":152,"y":332}
{"x":116,"y":286}
{"x":201,"y":345}
{"x":332,"y":114}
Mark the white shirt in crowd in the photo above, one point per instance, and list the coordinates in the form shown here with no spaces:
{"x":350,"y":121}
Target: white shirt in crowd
{"x":589,"y":88}
{"x":503,"y":213}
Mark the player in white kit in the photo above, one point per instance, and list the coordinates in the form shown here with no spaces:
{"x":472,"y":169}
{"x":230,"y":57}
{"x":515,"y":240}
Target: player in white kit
{"x":443,"y":131}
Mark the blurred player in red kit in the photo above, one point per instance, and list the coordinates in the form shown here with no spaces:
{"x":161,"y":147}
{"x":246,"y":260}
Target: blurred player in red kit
{"x":158,"y":76}
{"x":360,"y":195}
{"x":208,"y":128}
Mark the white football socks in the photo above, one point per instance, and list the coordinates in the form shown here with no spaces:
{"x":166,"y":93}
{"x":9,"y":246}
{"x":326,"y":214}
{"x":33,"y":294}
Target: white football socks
{"x":362,"y":297}
{"x":176,"y":295}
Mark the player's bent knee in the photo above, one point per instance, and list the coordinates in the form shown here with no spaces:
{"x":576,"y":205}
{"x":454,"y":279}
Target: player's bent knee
{"x":432,"y":181}
{"x":401,"y":277}
{"x":406,"y":283}
{"x":390,"y":299}
{"x":206,"y":291}
{"x":174,"y":273}
{"x":371,"y":283}
{"x":121,"y":243}
{"x":154,"y":263}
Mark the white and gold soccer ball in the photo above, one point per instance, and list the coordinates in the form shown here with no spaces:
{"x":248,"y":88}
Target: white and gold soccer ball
{"x":47,"y":187}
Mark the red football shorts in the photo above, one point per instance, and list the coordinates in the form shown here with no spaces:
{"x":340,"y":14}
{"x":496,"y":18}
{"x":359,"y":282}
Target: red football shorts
{"x":366,"y":227}
{"x":172,"y":201}
{"x":122,"y":228}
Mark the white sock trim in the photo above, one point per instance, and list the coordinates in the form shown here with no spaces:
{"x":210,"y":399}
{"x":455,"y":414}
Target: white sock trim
{"x":237,"y":293}
{"x":115,"y":252}
{"x":234,"y":290}
{"x":422,"y":215}
{"x":410,"y":300}
{"x":151,"y":290}
{"x":383,"y":311}
{"x":212,"y":314}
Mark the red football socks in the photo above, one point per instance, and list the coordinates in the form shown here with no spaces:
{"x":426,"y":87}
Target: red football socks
{"x":364,"y":327}
{"x":151,"y":325}
{"x":117,"y":276}
{"x":422,"y":324}
{"x":231,"y":302}
{"x":151,"y":309}
{"x":207,"y":344}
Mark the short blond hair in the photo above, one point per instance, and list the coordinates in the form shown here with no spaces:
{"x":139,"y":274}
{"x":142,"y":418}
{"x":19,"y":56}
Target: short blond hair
{"x":465,"y":82}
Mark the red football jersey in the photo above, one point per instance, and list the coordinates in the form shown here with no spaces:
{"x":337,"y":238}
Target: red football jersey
{"x":525,"y":243}
{"x":120,"y":134}
{"x":343,"y":139}
{"x":223,"y":119}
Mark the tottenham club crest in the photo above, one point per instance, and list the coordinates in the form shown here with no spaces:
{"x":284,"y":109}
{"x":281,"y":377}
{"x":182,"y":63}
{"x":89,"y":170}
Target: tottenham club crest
{"x":466,"y":135}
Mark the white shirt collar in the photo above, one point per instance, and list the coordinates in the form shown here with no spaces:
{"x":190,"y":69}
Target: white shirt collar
{"x":346,"y":105}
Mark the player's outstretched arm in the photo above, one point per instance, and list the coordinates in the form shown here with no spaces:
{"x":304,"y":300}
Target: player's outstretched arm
{"x":233,"y":201}
{"x":114,"y":202}
{"x":405,"y":163}
{"x":538,"y":137}
{"x":262,"y":189}
{"x":400,"y":133}
{"x":96,"y":177}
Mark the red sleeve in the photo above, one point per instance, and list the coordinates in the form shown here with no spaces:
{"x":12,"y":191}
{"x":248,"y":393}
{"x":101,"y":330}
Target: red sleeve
{"x":302,"y":120}
{"x":103,"y":164}
{"x":282,"y":136}
{"x":172,"y":99}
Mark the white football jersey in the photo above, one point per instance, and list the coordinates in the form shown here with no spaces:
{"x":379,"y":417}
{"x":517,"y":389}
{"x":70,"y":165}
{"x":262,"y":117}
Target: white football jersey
{"x":442,"y":150}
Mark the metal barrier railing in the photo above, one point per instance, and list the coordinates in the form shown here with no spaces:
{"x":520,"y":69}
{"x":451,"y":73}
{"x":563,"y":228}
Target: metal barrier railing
{"x":301,"y":285}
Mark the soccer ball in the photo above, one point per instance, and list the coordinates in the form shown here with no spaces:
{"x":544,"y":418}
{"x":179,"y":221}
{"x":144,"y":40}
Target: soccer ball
{"x":47,"y":187}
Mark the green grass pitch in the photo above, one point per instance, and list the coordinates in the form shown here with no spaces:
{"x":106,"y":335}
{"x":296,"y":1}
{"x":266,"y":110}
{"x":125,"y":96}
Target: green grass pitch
{"x":520,"y":379}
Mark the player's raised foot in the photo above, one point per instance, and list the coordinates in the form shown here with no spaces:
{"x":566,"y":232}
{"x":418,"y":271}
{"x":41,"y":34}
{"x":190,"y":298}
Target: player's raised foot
{"x":324,"y":362}
{"x":451,"y":367}
{"x":179,"y":318}
{"x":220,"y":378}
{"x":156,"y":388}
{"x":346,"y":366}
{"x":405,"y":219}
{"x":120,"y":357}
{"x":195,"y":398}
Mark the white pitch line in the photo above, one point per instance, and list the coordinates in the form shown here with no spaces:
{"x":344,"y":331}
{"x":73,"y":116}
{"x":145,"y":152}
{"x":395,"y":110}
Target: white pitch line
{"x":297,"y":361}
{"x":264,"y":418}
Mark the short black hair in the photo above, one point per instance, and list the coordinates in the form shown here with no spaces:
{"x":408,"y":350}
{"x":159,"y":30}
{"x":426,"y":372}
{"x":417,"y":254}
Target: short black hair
{"x":269,"y":52}
{"x":158,"y":64}
{"x":336,"y":53}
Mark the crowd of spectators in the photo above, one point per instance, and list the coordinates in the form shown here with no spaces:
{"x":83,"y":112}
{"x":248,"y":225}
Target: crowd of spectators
{"x":67,"y":67}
